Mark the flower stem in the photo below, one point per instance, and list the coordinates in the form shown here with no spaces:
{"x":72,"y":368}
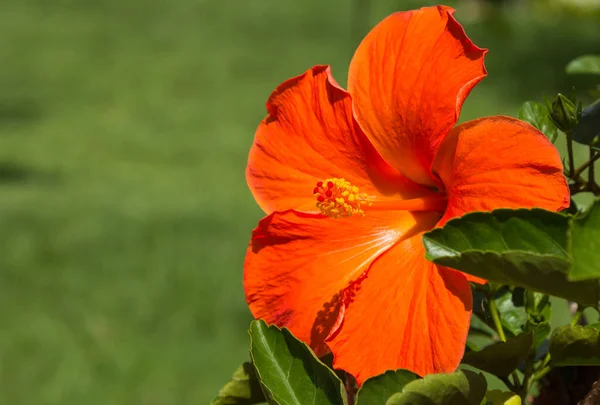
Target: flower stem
{"x":591,"y":173}
{"x":545,"y":361}
{"x":516,"y":385}
{"x":576,"y":317}
{"x":538,"y":375}
{"x":496,"y":319}
{"x":593,"y":157}
{"x":527,"y":381}
{"x":570,"y":153}
{"x":542,"y":370}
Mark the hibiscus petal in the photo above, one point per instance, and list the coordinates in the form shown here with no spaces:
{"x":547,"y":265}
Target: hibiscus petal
{"x":407,"y":313}
{"x":408,"y":79}
{"x":310,"y":135}
{"x":298,"y":265}
{"x":499,"y":162}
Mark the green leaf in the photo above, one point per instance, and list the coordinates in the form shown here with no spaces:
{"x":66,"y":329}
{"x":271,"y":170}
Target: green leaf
{"x":377,"y":390}
{"x":481,"y":328}
{"x":460,"y":388}
{"x":575,"y":346}
{"x":585,"y":245}
{"x":512,"y":317}
{"x":289,"y":371}
{"x":470,"y":345}
{"x":537,"y":115}
{"x":540,"y":330}
{"x":497,"y":397}
{"x":587,"y":129}
{"x":243,"y":389}
{"x":501,"y":358}
{"x":595,"y":326}
{"x":586,"y":64}
{"x":480,"y":334}
{"x":526,"y":248}
{"x":536,"y":303}
{"x":539,"y":311}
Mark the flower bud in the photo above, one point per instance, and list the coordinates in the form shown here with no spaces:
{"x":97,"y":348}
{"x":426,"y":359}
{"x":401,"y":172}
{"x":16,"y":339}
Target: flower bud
{"x":564,"y":113}
{"x":535,"y":302}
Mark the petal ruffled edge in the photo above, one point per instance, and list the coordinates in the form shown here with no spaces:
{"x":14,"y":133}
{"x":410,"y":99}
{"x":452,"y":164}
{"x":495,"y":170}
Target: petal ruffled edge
{"x":500,"y":162}
{"x":407,"y":105}
{"x":310,"y":135}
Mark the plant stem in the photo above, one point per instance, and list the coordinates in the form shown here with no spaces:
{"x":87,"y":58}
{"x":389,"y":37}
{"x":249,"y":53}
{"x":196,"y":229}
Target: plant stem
{"x":351,"y":389}
{"x":516,"y":385}
{"x":570,"y":153}
{"x":527,"y":382}
{"x":496,"y":319}
{"x":542,"y":370}
{"x":591,"y":173}
{"x":545,"y":361}
{"x":526,"y":385}
{"x":538,"y":375}
{"x":529,"y":372}
{"x":576,"y":317}
{"x":593,"y":157}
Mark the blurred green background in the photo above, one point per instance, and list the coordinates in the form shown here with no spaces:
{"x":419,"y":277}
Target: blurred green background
{"x":124,"y":213}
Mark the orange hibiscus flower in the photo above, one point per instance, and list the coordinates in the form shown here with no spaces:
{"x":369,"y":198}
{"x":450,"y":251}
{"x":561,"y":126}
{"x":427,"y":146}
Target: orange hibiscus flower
{"x":350,"y":180}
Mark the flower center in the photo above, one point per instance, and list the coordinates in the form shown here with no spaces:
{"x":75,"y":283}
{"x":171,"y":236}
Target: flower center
{"x":338,"y":198}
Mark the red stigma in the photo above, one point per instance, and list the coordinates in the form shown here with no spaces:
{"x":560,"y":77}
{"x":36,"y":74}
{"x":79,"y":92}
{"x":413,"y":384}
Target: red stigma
{"x":328,"y":193}
{"x":330,"y":184}
{"x":320,"y":184}
{"x":320,"y":198}
{"x":316,"y":190}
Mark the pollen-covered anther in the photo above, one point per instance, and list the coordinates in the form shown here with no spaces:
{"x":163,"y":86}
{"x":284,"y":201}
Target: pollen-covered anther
{"x":338,"y":198}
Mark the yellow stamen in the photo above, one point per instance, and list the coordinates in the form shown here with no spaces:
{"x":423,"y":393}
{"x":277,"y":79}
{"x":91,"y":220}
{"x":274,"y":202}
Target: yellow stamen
{"x":338,"y":198}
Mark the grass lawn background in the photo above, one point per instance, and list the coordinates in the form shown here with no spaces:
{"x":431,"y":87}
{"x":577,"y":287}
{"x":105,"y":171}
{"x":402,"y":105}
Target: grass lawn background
{"x":124,"y":214}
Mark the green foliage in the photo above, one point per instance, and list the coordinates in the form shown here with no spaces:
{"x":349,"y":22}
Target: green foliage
{"x":588,"y":129}
{"x":535,"y":303}
{"x":512,"y":316}
{"x":289,"y":371}
{"x":497,"y":397}
{"x":527,"y":248}
{"x":575,"y":346}
{"x":460,"y":388}
{"x":585,"y":245}
{"x":539,"y":312}
{"x":124,"y":224}
{"x":377,"y":390}
{"x":586,"y":64}
{"x":501,"y":358}
{"x":243,"y":389}
{"x":537,"y":115}
{"x":290,"y":374}
{"x":540,"y":329}
{"x":565,"y":112}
